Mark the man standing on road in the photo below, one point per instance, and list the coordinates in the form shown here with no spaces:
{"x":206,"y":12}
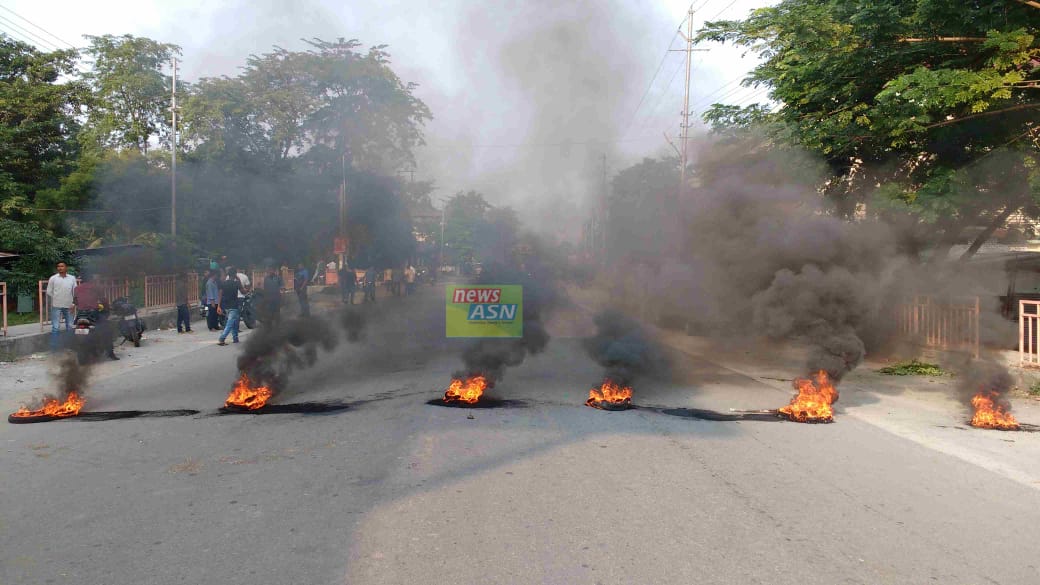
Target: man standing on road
{"x":300,"y":286}
{"x":347,"y":284}
{"x":228,"y":304}
{"x":409,"y":280}
{"x":370,"y":285}
{"x":244,"y":281}
{"x":180,"y":290}
{"x":272,"y":296}
{"x":61,"y":292}
{"x":212,"y":298}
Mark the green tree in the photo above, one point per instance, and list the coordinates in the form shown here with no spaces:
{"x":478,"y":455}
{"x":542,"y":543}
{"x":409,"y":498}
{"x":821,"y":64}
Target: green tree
{"x":37,"y":126}
{"x":642,"y":205}
{"x":917,"y":95}
{"x":464,"y":216}
{"x":39,"y":251}
{"x":131,"y":92}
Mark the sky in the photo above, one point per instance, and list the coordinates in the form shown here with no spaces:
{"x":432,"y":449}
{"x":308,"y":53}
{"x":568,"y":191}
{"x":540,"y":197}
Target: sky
{"x":531,"y":99}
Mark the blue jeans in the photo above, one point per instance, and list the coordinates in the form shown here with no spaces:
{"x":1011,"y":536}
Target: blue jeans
{"x":57,"y":313}
{"x":231,"y":326}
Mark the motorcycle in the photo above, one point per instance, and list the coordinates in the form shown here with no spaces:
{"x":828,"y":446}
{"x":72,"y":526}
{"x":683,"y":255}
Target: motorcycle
{"x":88,"y":335}
{"x":246,"y":310}
{"x":130,"y":325}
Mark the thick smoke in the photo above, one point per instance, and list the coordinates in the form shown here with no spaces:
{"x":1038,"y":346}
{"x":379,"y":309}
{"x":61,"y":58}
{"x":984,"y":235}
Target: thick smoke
{"x":490,"y":356}
{"x":72,"y":376}
{"x":624,"y":349}
{"x":984,"y":376}
{"x":271,"y":354}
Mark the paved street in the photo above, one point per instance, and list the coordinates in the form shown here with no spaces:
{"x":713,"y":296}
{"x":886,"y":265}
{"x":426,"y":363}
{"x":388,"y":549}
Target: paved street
{"x":396,"y":491}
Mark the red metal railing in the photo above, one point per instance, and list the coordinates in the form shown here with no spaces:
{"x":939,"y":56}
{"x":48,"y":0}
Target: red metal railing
{"x":160,"y":291}
{"x":1028,"y":322}
{"x":3,"y":302}
{"x":947,"y":324}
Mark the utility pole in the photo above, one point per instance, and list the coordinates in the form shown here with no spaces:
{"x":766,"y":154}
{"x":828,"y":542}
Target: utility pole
{"x":684,"y":128}
{"x":601,"y":239}
{"x":343,"y":210}
{"x":685,"y":138}
{"x":173,"y":155}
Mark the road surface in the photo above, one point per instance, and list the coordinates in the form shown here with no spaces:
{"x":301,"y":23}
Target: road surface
{"x":395,"y":491}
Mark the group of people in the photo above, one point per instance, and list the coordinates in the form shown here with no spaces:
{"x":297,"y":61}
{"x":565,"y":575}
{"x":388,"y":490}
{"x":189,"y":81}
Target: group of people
{"x":223,"y":295}
{"x":350,"y":283}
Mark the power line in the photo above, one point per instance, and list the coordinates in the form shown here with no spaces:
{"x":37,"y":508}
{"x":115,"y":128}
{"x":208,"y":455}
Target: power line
{"x":635,"y":112}
{"x":10,"y":31}
{"x":36,"y":39}
{"x":47,"y":32}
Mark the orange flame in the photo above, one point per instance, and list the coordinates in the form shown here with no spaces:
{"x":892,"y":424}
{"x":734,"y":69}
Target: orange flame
{"x":991,"y":414}
{"x":245,"y":395}
{"x":51,"y":407}
{"x":611,"y":393}
{"x":814,"y":400}
{"x":468,"y":390}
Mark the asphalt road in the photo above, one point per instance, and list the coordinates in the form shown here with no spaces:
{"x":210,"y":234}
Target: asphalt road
{"x":395,"y":491}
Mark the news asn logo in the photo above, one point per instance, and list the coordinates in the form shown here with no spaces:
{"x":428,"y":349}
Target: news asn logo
{"x":484,"y":311}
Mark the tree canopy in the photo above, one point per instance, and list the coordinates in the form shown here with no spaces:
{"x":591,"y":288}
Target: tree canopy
{"x":932,"y":99}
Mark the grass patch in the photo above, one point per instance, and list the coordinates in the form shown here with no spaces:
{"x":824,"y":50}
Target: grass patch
{"x":1034,"y":388}
{"x":22,"y":318}
{"x":912,"y":368}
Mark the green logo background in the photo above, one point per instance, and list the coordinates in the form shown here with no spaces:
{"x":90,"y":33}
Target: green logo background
{"x":457,"y":325}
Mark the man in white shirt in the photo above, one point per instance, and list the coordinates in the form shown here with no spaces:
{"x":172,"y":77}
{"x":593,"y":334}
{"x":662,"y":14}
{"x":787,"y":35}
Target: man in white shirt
{"x":245,"y":283}
{"x":61,"y":290}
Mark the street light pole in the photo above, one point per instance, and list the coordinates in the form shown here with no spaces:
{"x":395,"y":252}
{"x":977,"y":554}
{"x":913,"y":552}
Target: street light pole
{"x":173,"y":155}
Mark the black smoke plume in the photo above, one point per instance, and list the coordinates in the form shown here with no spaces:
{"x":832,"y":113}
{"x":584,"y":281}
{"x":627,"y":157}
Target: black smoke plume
{"x":272,"y":353}
{"x":624,"y":348}
{"x":984,"y":376}
{"x":491,"y":357}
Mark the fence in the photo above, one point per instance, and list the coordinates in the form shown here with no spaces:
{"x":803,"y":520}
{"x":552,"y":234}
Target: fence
{"x":149,"y":292}
{"x":3,"y":306}
{"x":1028,"y":321}
{"x":948,"y":324}
{"x":111,"y":288}
{"x":160,"y":291}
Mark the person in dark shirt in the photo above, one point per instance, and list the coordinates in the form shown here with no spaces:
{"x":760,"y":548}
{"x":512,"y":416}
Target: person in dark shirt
{"x":347,"y":284}
{"x":272,"y":301}
{"x":180,"y":289}
{"x":229,"y":305}
{"x":300,"y":286}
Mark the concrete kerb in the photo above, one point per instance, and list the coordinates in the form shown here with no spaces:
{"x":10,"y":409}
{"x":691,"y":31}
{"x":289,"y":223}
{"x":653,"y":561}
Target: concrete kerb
{"x":12,"y":348}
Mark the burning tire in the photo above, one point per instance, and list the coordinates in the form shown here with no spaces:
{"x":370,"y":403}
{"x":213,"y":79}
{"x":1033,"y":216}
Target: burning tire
{"x":24,"y":420}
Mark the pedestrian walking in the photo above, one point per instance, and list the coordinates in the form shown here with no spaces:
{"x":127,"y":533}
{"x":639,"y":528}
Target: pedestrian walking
{"x":409,"y":280}
{"x":272,"y":301}
{"x":228,"y":304}
{"x":300,"y":286}
{"x":180,"y":290}
{"x":370,"y":285}
{"x":61,"y":294}
{"x":347,"y":284}
{"x":212,"y":299}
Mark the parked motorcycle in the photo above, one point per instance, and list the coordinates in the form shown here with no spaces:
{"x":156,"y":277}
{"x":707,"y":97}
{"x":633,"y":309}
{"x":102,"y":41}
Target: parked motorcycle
{"x":246,"y":310}
{"x":130,"y":325}
{"x":89,"y":341}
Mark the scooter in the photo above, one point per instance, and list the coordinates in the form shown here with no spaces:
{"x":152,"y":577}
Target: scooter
{"x":88,"y":335}
{"x":130,"y":325}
